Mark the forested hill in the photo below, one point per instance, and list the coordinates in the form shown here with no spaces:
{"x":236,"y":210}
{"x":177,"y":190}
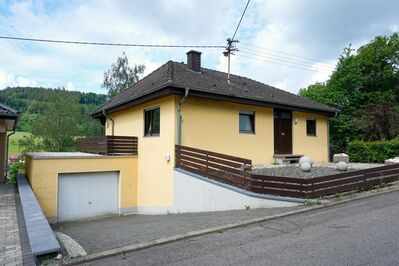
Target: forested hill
{"x":33,"y":101}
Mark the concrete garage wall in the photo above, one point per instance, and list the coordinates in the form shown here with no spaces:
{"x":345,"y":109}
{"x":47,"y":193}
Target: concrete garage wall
{"x":194,"y":194}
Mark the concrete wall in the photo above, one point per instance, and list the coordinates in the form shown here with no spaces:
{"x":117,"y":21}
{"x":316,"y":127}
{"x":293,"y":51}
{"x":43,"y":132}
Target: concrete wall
{"x":193,"y":194}
{"x":43,"y":174}
{"x":155,"y":173}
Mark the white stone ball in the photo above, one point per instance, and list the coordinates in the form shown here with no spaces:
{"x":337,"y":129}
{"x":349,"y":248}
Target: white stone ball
{"x":306,"y":167}
{"x":305,"y":159}
{"x":342,"y":166}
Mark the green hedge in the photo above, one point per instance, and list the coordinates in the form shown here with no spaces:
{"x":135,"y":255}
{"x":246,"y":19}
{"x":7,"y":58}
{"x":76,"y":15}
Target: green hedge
{"x":373,"y":152}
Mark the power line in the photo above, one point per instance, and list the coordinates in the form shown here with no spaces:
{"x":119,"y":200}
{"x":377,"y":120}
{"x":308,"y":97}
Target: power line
{"x":285,"y":53}
{"x":230,"y":49}
{"x":239,"y":23}
{"x":282,"y":64}
{"x":110,"y":44}
{"x":284,"y":59}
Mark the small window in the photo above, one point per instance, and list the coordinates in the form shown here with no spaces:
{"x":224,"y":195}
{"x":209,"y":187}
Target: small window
{"x":152,"y":122}
{"x":311,"y":127}
{"x":247,"y":122}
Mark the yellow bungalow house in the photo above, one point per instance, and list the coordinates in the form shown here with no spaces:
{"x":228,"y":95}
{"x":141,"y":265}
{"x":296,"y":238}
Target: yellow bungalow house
{"x":196,"y":107}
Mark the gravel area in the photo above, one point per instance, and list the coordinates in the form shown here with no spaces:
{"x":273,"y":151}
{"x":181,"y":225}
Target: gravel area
{"x":295,"y":171}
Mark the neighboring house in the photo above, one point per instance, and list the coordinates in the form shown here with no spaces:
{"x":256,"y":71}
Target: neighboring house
{"x":179,"y":104}
{"x":8,"y":121}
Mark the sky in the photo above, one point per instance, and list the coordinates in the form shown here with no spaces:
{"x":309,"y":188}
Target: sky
{"x":283,"y":43}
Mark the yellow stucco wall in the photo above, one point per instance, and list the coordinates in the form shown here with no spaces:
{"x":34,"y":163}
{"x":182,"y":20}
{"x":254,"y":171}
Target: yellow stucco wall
{"x":314,"y":146}
{"x":42,"y":175}
{"x":155,"y":182}
{"x":214,"y":125}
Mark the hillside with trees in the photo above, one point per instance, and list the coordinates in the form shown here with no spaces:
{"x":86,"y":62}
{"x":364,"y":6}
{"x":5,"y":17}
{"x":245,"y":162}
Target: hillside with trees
{"x":365,"y":87}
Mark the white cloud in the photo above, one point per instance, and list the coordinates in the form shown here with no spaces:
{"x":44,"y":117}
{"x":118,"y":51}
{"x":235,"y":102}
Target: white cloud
{"x":9,"y":80}
{"x":70,"y":86}
{"x":307,"y":28}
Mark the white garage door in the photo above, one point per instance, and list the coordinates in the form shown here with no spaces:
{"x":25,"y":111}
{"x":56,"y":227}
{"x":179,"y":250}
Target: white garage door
{"x":86,"y":195}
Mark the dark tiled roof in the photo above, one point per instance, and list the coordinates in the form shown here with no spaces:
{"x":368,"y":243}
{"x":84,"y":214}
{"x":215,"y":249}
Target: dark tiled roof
{"x":174,"y":74}
{"x":7,"y":111}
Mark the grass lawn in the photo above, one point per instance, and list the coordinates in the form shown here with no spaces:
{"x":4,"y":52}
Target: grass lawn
{"x":14,"y":141}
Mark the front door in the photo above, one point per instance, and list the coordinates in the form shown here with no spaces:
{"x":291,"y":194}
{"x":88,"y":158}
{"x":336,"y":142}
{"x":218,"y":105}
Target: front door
{"x":282,"y":132}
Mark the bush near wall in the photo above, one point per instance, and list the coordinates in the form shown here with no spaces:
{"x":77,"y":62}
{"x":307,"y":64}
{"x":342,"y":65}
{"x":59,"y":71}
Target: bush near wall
{"x":373,"y":151}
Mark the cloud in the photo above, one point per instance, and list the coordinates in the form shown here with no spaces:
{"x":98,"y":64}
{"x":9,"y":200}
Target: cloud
{"x":9,"y":80}
{"x":70,"y":86}
{"x":307,"y":28}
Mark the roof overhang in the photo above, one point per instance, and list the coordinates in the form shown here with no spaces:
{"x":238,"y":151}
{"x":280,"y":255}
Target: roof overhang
{"x":173,"y":90}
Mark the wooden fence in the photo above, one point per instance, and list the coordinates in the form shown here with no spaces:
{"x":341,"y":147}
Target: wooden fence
{"x":237,"y":172}
{"x":221,"y":167}
{"x":108,"y":145}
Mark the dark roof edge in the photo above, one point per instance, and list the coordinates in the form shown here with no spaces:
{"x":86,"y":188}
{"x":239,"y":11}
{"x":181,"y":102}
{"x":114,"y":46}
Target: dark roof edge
{"x":169,"y":89}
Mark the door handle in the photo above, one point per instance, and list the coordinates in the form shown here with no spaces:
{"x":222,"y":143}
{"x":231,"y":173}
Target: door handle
{"x":282,"y":133}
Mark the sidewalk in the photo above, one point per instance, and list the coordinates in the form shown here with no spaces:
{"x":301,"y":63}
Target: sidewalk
{"x":10,"y":245}
{"x":13,"y":249}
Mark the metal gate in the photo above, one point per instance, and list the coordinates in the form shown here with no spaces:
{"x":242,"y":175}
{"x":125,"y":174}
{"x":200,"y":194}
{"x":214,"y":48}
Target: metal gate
{"x":87,"y":195}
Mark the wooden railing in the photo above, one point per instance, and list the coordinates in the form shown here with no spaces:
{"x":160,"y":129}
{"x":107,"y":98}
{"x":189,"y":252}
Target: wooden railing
{"x":324,"y":185}
{"x":220,"y":167}
{"x":237,"y":172}
{"x":108,"y":145}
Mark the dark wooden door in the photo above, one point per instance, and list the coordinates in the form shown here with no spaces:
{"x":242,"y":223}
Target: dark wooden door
{"x":282,"y":132}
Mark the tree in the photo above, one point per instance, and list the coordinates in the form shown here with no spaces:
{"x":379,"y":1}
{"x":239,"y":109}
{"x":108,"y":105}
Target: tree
{"x":59,"y":124}
{"x":365,"y":87}
{"x":121,"y":76}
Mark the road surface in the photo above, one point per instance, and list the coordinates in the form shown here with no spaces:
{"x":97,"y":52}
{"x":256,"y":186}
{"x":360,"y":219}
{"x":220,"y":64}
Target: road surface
{"x":362,"y":232}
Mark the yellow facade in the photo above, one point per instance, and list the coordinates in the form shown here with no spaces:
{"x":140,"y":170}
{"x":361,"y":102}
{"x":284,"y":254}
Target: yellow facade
{"x":314,"y":146}
{"x":43,"y":174}
{"x":155,"y":153}
{"x":214,"y":125}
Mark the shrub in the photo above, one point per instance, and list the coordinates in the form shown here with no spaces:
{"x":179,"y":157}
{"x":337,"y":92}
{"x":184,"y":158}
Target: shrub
{"x":373,"y":151}
{"x":14,"y":169}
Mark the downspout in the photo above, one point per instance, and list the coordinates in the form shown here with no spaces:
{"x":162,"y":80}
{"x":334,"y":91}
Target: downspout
{"x":112,"y":120}
{"x":7,"y":142}
{"x":179,"y":115}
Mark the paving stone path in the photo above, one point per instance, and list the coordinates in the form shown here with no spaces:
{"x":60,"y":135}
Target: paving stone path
{"x":10,"y":244}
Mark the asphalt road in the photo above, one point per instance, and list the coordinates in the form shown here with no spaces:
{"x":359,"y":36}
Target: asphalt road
{"x":362,"y":232}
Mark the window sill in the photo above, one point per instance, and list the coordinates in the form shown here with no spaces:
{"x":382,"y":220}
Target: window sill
{"x":314,"y":136}
{"x":151,"y":136}
{"x":247,"y":133}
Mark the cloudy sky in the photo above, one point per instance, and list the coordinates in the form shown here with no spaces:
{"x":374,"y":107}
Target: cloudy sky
{"x":285,"y":43}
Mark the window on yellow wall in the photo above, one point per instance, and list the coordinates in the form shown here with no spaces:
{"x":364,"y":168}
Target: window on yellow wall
{"x":152,"y":123}
{"x":311,"y":127}
{"x":247,"y":122}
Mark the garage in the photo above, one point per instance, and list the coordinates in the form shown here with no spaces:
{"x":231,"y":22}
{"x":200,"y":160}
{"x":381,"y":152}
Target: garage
{"x":87,"y":195}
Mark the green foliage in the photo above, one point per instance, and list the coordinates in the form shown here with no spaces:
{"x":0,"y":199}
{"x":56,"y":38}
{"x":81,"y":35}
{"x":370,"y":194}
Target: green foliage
{"x":13,"y":170}
{"x":58,"y":124}
{"x":31,"y":102}
{"x":365,"y":87}
{"x":14,"y":142}
{"x":121,"y":76}
{"x":373,"y":151}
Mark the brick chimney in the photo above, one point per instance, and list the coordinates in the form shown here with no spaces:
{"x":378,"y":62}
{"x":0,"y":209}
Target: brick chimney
{"x":194,"y":60}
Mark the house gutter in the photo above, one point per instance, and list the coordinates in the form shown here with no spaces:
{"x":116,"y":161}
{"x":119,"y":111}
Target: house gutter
{"x":112,"y":120}
{"x":179,"y":115}
{"x":7,"y":141}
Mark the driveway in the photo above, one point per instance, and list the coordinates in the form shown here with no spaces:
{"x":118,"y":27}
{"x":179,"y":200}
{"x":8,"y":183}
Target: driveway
{"x":103,"y":234}
{"x":361,"y":232}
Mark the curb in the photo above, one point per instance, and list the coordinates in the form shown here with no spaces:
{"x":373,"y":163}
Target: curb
{"x":165,"y":240}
